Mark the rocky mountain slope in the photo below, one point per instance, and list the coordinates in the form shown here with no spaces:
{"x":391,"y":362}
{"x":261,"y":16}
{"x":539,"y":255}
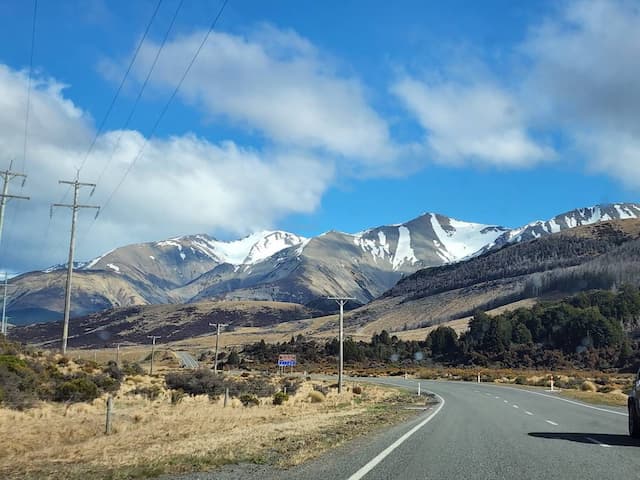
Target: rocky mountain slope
{"x":602,"y":256}
{"x":276,"y":265}
{"x":599,"y":256}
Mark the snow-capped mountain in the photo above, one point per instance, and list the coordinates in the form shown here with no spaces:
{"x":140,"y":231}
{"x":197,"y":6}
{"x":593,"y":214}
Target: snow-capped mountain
{"x":278,"y":265}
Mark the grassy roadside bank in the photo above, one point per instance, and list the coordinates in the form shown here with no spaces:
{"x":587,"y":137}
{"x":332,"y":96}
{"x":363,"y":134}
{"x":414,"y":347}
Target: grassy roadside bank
{"x":154,"y":437}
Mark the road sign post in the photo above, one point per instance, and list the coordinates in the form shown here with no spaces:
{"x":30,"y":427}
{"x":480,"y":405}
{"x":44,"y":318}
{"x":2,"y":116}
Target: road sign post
{"x":286,"y":360}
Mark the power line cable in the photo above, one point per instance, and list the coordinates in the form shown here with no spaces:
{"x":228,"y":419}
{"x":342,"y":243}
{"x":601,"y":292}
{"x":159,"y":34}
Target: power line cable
{"x":144,"y":85}
{"x":26,"y":117}
{"x":163,"y":111}
{"x":122,"y":82}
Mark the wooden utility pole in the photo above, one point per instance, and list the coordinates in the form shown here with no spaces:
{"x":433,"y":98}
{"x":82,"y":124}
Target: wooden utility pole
{"x":341,"y":301}
{"x":153,"y":349}
{"x":75,"y":206}
{"x":218,"y":326}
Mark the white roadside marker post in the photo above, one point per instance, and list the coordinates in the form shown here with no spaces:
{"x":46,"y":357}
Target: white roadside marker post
{"x":552,"y":382}
{"x":418,"y":388}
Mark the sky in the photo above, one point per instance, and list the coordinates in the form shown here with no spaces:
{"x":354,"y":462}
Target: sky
{"x":310,"y":116}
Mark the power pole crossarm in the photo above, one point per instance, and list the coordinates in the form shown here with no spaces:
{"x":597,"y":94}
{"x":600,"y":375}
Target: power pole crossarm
{"x":75,"y":206}
{"x":7,"y":176}
{"x":341,"y":301}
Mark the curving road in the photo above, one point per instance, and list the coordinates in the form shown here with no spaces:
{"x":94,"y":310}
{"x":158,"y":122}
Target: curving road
{"x":481,"y":431}
{"x":187,"y":360}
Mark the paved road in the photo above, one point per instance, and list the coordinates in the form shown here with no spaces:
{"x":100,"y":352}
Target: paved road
{"x":489,"y":432}
{"x":187,"y":360}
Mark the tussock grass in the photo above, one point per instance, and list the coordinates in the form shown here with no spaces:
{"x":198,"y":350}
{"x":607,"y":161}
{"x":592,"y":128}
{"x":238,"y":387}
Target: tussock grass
{"x":151,"y":437}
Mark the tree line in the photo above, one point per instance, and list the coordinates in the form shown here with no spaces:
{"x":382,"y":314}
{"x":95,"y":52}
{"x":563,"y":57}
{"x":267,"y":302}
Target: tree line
{"x":589,"y":330}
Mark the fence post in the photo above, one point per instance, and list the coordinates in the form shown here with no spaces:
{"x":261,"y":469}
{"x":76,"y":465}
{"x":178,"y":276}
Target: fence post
{"x":107,"y":429}
{"x":226,"y":397}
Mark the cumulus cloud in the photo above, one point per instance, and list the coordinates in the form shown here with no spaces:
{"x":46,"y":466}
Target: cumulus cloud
{"x":181,"y":185}
{"x":277,"y":83}
{"x":478,"y":122}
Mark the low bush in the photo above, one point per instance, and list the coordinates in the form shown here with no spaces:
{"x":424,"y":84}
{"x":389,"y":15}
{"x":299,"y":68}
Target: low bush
{"x":79,"y":389}
{"x":176,"y":396}
{"x":249,"y":400}
{"x":131,"y":369}
{"x":320,"y":388}
{"x":151,"y":392}
{"x":357,"y":390}
{"x":588,"y":386}
{"x":279,"y":398}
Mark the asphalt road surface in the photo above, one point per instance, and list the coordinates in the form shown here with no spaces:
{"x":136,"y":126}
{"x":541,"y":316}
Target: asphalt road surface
{"x":187,"y":360}
{"x":481,"y":431}
{"x":477,"y":431}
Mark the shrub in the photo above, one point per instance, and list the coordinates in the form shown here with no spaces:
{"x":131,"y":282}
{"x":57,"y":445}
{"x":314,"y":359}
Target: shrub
{"x":77,"y":390}
{"x":245,"y":374}
{"x":521,"y":380}
{"x":113,"y":371}
{"x":249,"y":400}
{"x":261,"y":387}
{"x":291,"y":385}
{"x":316,"y":397}
{"x":319,"y":388}
{"x":357,"y":390}
{"x":132,"y":369}
{"x":606,"y":389}
{"x":588,"y":386}
{"x":176,"y":396}
{"x":279,"y":398}
{"x":151,"y":392}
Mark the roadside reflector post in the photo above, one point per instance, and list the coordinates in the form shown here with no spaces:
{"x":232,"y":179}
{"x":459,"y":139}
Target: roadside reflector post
{"x":418,"y":388}
{"x":478,"y":378}
{"x":552,"y":382}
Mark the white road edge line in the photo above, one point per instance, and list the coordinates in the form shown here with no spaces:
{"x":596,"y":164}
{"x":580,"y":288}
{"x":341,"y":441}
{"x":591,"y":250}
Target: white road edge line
{"x":563,"y":400}
{"x":593,"y":440}
{"x":551,"y":423}
{"x":382,"y":455}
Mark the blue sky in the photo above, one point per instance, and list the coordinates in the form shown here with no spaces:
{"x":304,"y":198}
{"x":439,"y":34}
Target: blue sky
{"x":311,"y":116}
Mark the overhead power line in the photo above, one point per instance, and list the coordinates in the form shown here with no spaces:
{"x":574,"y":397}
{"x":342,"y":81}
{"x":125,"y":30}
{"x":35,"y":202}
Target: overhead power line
{"x":144,"y":85}
{"x":122,"y":82}
{"x":164,"y":109}
{"x":26,"y":117}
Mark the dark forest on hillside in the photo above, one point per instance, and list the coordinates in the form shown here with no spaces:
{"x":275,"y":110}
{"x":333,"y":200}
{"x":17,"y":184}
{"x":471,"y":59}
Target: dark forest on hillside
{"x":592,"y":330}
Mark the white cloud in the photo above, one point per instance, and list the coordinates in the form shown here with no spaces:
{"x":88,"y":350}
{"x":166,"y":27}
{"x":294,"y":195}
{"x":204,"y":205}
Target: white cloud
{"x":181,"y":185}
{"x":478,"y":122}
{"x":277,"y":83}
{"x":584,"y":80}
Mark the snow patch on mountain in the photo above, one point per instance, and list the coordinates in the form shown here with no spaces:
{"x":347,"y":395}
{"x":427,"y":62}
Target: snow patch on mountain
{"x":377,"y":247}
{"x":270,"y":244}
{"x":404,"y":252}
{"x":462,"y":239}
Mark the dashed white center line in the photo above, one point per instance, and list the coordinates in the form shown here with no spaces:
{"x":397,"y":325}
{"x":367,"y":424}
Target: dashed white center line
{"x":506,"y":401}
{"x":528,"y":413}
{"x":593,"y":440}
{"x":515,"y":406}
{"x":498,"y":397}
{"x":551,"y":423}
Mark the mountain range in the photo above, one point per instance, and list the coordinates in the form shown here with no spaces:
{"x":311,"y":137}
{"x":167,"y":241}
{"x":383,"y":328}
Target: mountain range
{"x":278,"y":266}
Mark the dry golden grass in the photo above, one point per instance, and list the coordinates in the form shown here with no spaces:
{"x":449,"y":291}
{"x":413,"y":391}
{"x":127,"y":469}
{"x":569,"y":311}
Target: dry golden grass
{"x":614,"y":398}
{"x":152,"y":437}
